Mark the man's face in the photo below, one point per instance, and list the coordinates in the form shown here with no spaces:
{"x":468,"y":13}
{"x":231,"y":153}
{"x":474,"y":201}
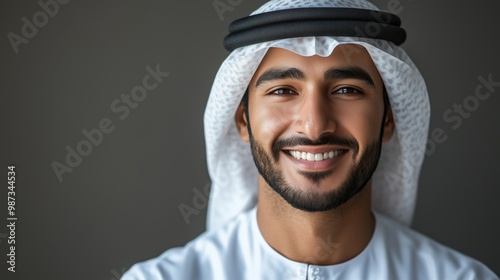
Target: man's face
{"x":316,"y":125}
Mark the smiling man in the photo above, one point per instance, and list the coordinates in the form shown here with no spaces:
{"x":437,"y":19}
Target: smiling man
{"x":315,"y":133}
{"x":315,"y":125}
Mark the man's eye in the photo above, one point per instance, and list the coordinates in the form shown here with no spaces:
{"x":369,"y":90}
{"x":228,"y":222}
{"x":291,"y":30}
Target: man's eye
{"x":348,"y":91}
{"x":282,"y":91}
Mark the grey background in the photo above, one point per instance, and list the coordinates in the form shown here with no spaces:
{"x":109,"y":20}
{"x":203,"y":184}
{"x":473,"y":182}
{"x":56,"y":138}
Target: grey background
{"x":120,"y":205}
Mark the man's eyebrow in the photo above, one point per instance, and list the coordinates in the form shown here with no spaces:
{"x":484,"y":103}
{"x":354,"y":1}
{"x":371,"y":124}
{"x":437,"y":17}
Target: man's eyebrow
{"x":280,"y":74}
{"x":352,"y":72}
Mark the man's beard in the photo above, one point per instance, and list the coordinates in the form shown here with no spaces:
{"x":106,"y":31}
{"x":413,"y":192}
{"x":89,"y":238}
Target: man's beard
{"x":312,"y":200}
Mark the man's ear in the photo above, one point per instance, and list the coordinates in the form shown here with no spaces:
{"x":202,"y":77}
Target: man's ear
{"x":241,"y":123}
{"x":389,"y":126}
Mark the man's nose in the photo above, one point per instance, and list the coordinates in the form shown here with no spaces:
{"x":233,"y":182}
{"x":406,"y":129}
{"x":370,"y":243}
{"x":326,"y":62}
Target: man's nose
{"x":315,"y":115}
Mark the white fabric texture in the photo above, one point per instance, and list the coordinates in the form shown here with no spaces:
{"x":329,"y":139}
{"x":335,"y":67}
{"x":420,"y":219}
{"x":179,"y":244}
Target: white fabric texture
{"x":238,"y":251}
{"x":230,"y":164}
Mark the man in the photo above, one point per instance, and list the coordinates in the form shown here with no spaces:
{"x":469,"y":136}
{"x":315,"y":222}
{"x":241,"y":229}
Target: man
{"x":315,"y":130}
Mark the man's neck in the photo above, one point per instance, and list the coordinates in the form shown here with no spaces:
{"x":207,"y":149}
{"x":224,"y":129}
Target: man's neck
{"x":322,"y":238}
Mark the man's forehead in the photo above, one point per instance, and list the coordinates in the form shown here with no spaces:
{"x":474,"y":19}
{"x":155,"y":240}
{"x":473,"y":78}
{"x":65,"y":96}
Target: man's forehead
{"x":343,"y":55}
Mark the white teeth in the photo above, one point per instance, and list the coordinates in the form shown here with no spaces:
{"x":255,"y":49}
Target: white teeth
{"x":315,"y":157}
{"x":310,"y":157}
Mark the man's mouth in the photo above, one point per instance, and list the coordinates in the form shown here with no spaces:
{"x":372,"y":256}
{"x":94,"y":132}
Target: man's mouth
{"x":316,"y":156}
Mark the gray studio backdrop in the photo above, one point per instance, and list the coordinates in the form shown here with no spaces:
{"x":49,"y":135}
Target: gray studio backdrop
{"x":68,"y":69}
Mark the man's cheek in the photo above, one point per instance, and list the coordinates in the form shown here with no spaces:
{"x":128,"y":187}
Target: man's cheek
{"x":274,"y":119}
{"x":365,"y":123}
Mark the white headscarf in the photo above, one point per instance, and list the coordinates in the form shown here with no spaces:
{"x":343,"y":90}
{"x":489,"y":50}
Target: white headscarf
{"x":230,"y":164}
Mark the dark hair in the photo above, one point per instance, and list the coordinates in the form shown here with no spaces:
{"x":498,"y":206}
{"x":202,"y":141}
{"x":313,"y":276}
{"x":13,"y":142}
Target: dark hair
{"x":244,"y":100}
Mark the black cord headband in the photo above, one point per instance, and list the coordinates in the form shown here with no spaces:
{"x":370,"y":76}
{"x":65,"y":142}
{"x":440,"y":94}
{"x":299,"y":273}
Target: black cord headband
{"x":305,"y":22}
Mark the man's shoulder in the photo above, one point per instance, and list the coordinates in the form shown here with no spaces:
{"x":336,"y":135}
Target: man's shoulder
{"x":425,"y":256}
{"x":209,"y":251}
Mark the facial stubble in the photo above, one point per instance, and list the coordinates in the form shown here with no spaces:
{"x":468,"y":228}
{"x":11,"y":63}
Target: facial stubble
{"x":313,"y":200}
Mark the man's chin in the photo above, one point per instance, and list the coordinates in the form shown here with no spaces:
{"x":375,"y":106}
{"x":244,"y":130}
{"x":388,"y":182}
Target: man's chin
{"x":322,"y":182}
{"x":315,"y":178}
